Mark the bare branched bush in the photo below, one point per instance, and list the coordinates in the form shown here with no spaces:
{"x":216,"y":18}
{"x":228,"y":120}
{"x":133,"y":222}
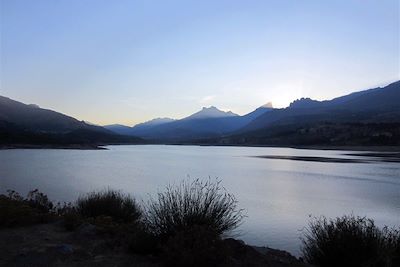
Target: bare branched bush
{"x":197,"y":203}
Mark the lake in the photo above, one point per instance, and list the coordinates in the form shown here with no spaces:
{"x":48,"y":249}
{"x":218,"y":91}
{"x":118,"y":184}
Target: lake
{"x":279,"y":188}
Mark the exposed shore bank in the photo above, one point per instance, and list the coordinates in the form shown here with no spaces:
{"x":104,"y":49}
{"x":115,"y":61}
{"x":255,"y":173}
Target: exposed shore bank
{"x":50,"y":244}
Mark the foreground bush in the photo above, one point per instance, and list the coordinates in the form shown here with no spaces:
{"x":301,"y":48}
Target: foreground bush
{"x":16,"y":210}
{"x":195,"y":246}
{"x":350,"y":241}
{"x":192,"y":204}
{"x":40,"y":201}
{"x":394,"y":247}
{"x":141,"y":241}
{"x":109,"y":203}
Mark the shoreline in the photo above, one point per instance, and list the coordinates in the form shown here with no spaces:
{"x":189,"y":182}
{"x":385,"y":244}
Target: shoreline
{"x":317,"y":147}
{"x":72,"y":147}
{"x":104,"y":146}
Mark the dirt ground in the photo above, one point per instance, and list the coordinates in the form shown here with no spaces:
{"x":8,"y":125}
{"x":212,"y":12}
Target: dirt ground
{"x":51,"y":245}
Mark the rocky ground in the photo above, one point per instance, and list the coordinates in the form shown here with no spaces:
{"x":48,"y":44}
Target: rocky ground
{"x":51,"y":245}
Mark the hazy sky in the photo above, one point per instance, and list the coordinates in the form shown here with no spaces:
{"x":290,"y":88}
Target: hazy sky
{"x":130,"y":61}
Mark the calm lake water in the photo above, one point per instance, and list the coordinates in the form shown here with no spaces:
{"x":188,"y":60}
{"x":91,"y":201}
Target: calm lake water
{"x":278,"y":195}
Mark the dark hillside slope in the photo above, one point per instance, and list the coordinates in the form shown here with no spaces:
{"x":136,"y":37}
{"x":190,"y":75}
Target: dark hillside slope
{"x":33,"y":118}
{"x":29,"y":124}
{"x":381,"y":99}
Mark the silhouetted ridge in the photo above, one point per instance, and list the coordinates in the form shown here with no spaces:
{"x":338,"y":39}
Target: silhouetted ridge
{"x":305,"y":103}
{"x":30,"y":124}
{"x":370,"y":117}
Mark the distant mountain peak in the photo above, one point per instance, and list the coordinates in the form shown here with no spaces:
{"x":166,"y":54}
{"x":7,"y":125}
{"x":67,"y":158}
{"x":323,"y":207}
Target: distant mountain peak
{"x":211,"y":108}
{"x":267,"y":105}
{"x":211,"y":112}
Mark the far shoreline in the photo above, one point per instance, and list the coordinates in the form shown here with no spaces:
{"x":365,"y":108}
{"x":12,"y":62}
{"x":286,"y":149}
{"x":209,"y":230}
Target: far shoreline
{"x":72,"y":147}
{"x":104,"y":146}
{"x":371,"y":148}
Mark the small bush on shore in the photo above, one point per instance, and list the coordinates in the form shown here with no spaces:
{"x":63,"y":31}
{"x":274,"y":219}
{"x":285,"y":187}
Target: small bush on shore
{"x":39,"y":201}
{"x":350,"y":241}
{"x":192,"y":204}
{"x":111,"y":203}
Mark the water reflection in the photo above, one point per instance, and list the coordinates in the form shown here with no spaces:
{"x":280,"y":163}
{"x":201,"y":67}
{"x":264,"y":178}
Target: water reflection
{"x":279,"y":194}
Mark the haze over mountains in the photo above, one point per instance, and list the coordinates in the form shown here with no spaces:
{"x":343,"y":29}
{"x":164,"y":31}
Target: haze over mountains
{"x":370,"y":117}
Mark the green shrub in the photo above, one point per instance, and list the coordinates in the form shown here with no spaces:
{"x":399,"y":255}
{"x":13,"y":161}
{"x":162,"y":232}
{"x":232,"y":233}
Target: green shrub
{"x":39,"y":201}
{"x":109,"y":203}
{"x":18,"y":211}
{"x":15,"y":213}
{"x":191,"y":204}
{"x":349,"y":241}
{"x":13,"y":195}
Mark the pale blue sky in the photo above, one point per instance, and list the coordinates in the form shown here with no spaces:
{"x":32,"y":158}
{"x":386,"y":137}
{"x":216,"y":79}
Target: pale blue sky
{"x":130,"y":61}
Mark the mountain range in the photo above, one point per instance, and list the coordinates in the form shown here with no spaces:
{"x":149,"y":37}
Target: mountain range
{"x":373,"y":105}
{"x":208,"y":122}
{"x":29,"y":124}
{"x":369,"y":117}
